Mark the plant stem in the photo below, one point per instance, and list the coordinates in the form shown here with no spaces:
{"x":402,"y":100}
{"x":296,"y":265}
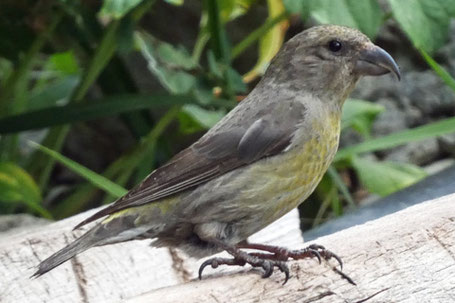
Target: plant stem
{"x":202,"y":39}
{"x":217,"y":33}
{"x":257,"y":34}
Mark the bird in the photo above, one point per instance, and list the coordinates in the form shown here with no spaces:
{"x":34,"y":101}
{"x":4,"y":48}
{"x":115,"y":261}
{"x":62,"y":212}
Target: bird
{"x":260,"y":161}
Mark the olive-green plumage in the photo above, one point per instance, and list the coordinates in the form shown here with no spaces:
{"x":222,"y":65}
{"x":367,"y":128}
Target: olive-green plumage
{"x":259,"y":162}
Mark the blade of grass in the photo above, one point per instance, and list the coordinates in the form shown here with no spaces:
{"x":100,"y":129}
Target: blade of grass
{"x":419,"y":133}
{"x":330,"y":198}
{"x":38,"y":164}
{"x":91,"y":176}
{"x":101,"y":57}
{"x":439,"y":70}
{"x":336,"y":178}
{"x":111,"y":106}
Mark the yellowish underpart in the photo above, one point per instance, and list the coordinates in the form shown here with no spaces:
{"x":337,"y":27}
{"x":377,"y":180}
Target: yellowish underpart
{"x":163,"y":205}
{"x":290,"y":179}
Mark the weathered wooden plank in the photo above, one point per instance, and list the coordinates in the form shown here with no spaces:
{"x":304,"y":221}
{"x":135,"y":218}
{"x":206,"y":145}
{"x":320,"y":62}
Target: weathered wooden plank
{"x":408,"y":257}
{"x":102,"y":274}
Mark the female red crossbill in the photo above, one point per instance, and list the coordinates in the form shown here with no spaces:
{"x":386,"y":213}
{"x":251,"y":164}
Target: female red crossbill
{"x":259,"y":162}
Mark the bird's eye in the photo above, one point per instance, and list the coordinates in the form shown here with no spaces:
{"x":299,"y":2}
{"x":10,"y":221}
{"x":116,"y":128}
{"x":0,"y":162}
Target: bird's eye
{"x":335,"y":46}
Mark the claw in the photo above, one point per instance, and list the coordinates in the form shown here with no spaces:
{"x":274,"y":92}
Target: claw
{"x":345,"y":276}
{"x":338,"y":259}
{"x":214,"y":263}
{"x":315,"y":253}
{"x":268,"y":269}
{"x":204,"y":265}
{"x":285,"y":269}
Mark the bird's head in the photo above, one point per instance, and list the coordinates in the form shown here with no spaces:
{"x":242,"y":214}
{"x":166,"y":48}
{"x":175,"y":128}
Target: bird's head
{"x":327,"y":61}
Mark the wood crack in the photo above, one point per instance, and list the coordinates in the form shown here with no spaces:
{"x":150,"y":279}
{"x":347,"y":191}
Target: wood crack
{"x":178,"y":265}
{"x":79,"y":274}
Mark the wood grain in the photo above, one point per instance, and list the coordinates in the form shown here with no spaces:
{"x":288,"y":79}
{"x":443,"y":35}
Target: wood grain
{"x":408,"y":256}
{"x":103,"y":274}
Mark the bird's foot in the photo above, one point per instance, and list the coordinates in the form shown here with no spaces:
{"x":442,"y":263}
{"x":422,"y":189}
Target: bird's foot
{"x":283,"y":254}
{"x":271,"y":257}
{"x":242,"y":258}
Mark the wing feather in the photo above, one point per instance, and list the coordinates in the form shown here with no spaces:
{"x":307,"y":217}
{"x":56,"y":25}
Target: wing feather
{"x":210,"y":157}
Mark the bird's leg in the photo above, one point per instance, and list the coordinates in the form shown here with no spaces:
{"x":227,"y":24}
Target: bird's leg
{"x":241,"y":258}
{"x":283,"y":254}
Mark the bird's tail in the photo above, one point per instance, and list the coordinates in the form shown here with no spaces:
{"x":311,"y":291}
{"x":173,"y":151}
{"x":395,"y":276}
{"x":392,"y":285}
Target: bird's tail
{"x":116,"y":230}
{"x":89,"y":239}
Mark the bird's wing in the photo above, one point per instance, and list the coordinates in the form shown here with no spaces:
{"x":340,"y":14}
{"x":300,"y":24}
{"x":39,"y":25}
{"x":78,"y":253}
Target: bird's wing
{"x":212,"y":156}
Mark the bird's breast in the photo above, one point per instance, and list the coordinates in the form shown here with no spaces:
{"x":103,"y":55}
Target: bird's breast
{"x":289,"y":178}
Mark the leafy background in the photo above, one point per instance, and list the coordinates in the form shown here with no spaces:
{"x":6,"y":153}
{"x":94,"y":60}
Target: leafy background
{"x":96,"y":94}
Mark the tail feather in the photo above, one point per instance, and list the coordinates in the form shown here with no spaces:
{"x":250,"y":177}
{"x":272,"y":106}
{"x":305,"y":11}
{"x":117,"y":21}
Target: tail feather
{"x":81,"y":244}
{"x":118,"y":229}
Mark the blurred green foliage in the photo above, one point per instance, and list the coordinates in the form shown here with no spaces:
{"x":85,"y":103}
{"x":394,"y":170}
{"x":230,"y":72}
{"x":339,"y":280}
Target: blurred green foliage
{"x":64,"y":62}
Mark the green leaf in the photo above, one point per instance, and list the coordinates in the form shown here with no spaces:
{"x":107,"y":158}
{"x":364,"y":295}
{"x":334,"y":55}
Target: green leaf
{"x":175,"y":2}
{"x":366,"y":15}
{"x":272,"y":37}
{"x":434,"y":129}
{"x":214,"y":67}
{"x":164,"y":68}
{"x":194,"y":118}
{"x":236,"y":81}
{"x":6,"y":68}
{"x":65,"y":63}
{"x":16,"y":185}
{"x":178,"y":82}
{"x":175,"y":57}
{"x":425,"y":21}
{"x":71,"y":113}
{"x":125,"y":36}
{"x":360,"y":115}
{"x":231,"y":9}
{"x":91,"y":176}
{"x":384,"y":178}
{"x":301,"y":7}
{"x":117,"y":8}
{"x":56,"y":91}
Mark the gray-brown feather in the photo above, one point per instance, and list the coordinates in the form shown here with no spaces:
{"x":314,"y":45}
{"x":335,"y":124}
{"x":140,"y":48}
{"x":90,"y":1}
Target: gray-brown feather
{"x":244,"y":141}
